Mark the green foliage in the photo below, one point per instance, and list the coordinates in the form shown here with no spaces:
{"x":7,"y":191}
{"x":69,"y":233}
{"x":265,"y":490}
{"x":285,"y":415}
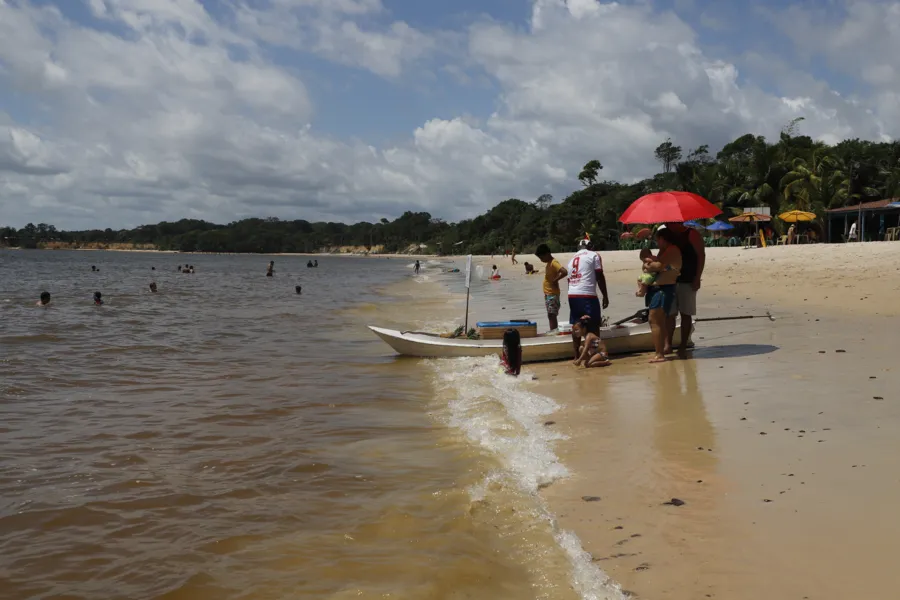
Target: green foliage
{"x":794,"y":172}
{"x":668,"y":154}
{"x":589,"y":173}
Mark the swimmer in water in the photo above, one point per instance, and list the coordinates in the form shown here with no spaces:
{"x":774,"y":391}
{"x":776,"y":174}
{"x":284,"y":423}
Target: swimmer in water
{"x":298,"y":289}
{"x":93,"y":267}
{"x":45,"y":299}
{"x":192,"y":269}
{"x":511,"y":356}
{"x":98,"y":299}
{"x":271,"y":269}
{"x":153,"y":286}
{"x":316,"y":264}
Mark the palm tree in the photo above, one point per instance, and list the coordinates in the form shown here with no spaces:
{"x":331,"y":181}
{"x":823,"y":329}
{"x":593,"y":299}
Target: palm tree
{"x":816,"y":184}
{"x":891,"y":177}
{"x":753,"y":178}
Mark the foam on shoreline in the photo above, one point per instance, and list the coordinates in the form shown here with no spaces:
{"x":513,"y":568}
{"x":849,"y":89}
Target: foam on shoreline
{"x":504,"y":419}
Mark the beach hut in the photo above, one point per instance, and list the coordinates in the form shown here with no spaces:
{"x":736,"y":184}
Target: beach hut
{"x":876,"y":220}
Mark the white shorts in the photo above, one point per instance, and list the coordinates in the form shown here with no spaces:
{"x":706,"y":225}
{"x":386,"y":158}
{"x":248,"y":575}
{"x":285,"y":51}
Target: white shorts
{"x":685,"y":300}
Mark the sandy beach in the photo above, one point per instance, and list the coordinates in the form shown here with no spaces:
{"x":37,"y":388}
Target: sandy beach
{"x":780,"y":438}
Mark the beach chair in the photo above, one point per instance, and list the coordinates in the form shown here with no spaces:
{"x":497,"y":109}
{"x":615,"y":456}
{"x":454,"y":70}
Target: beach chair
{"x":782,"y":241}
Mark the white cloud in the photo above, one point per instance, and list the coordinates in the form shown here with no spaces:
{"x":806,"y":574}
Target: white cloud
{"x":855,"y":36}
{"x":170,"y":112}
{"x":328,"y":29}
{"x":25,"y":153}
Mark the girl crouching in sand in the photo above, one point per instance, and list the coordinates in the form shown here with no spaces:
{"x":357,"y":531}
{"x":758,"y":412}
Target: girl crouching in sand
{"x":593,"y":350}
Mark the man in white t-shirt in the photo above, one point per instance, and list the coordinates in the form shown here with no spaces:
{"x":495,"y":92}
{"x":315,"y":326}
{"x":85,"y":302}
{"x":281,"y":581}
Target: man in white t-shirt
{"x":585,"y":276}
{"x":852,"y":236}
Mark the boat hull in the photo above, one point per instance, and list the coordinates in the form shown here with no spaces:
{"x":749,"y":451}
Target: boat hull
{"x":623,"y":339}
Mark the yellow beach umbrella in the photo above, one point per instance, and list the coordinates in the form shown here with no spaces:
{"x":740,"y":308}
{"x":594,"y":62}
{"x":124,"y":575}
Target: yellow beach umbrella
{"x":797,"y":216}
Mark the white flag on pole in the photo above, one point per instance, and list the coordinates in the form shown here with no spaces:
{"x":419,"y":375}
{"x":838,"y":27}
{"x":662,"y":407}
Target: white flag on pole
{"x":468,"y":271}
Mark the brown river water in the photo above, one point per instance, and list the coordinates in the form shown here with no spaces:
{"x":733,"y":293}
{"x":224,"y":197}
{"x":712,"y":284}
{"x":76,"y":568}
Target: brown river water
{"x":226,"y":438}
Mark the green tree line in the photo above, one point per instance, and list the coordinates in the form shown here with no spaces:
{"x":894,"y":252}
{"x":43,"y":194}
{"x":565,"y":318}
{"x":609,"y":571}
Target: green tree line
{"x":793,"y":172}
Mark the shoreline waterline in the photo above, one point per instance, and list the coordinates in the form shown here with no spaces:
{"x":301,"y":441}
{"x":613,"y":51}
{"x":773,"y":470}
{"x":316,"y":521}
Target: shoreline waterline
{"x":227,"y":438}
{"x":505,"y":421}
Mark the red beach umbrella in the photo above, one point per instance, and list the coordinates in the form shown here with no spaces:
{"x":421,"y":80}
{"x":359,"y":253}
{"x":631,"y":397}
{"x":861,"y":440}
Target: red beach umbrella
{"x":669,"y":207}
{"x":626,"y":236}
{"x":643,"y":233}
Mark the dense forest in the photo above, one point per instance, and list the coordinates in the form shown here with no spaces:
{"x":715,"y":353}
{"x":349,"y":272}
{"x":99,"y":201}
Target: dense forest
{"x":794,"y":172}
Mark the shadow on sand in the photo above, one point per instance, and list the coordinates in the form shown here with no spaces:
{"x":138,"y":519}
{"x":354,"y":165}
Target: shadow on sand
{"x":733,"y":351}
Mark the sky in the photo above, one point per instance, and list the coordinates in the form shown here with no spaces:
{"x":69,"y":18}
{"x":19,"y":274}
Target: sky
{"x":116,"y":113}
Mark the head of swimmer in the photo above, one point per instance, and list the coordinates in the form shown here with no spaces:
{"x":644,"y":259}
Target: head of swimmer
{"x":45,"y":298}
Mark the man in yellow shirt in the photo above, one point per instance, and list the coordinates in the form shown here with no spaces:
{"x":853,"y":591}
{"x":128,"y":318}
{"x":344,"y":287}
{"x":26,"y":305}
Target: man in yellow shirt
{"x":552,"y":276}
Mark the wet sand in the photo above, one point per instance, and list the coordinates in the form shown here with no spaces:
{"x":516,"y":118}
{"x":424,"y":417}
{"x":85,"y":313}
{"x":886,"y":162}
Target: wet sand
{"x":780,"y":438}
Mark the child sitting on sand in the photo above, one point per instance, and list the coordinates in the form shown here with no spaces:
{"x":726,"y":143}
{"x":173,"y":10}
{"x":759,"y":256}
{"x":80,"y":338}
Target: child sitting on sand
{"x":593,"y":350}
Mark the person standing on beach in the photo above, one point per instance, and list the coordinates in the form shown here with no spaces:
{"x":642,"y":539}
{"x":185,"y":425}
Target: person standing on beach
{"x":514,"y":261}
{"x":693,"y":260}
{"x":585,"y":276}
{"x":553,"y":274}
{"x":661,"y":294}
{"x":852,"y":236}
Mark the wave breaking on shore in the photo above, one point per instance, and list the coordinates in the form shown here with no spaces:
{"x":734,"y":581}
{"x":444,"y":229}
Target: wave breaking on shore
{"x":506,"y":423}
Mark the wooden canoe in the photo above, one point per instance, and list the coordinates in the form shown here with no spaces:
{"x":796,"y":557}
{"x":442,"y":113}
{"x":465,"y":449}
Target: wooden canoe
{"x":626,"y":338}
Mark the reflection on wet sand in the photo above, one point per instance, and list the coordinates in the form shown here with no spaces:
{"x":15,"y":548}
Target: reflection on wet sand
{"x":682,"y":434}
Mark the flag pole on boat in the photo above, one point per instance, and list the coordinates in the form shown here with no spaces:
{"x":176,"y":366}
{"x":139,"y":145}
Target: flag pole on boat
{"x":468,"y":282}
